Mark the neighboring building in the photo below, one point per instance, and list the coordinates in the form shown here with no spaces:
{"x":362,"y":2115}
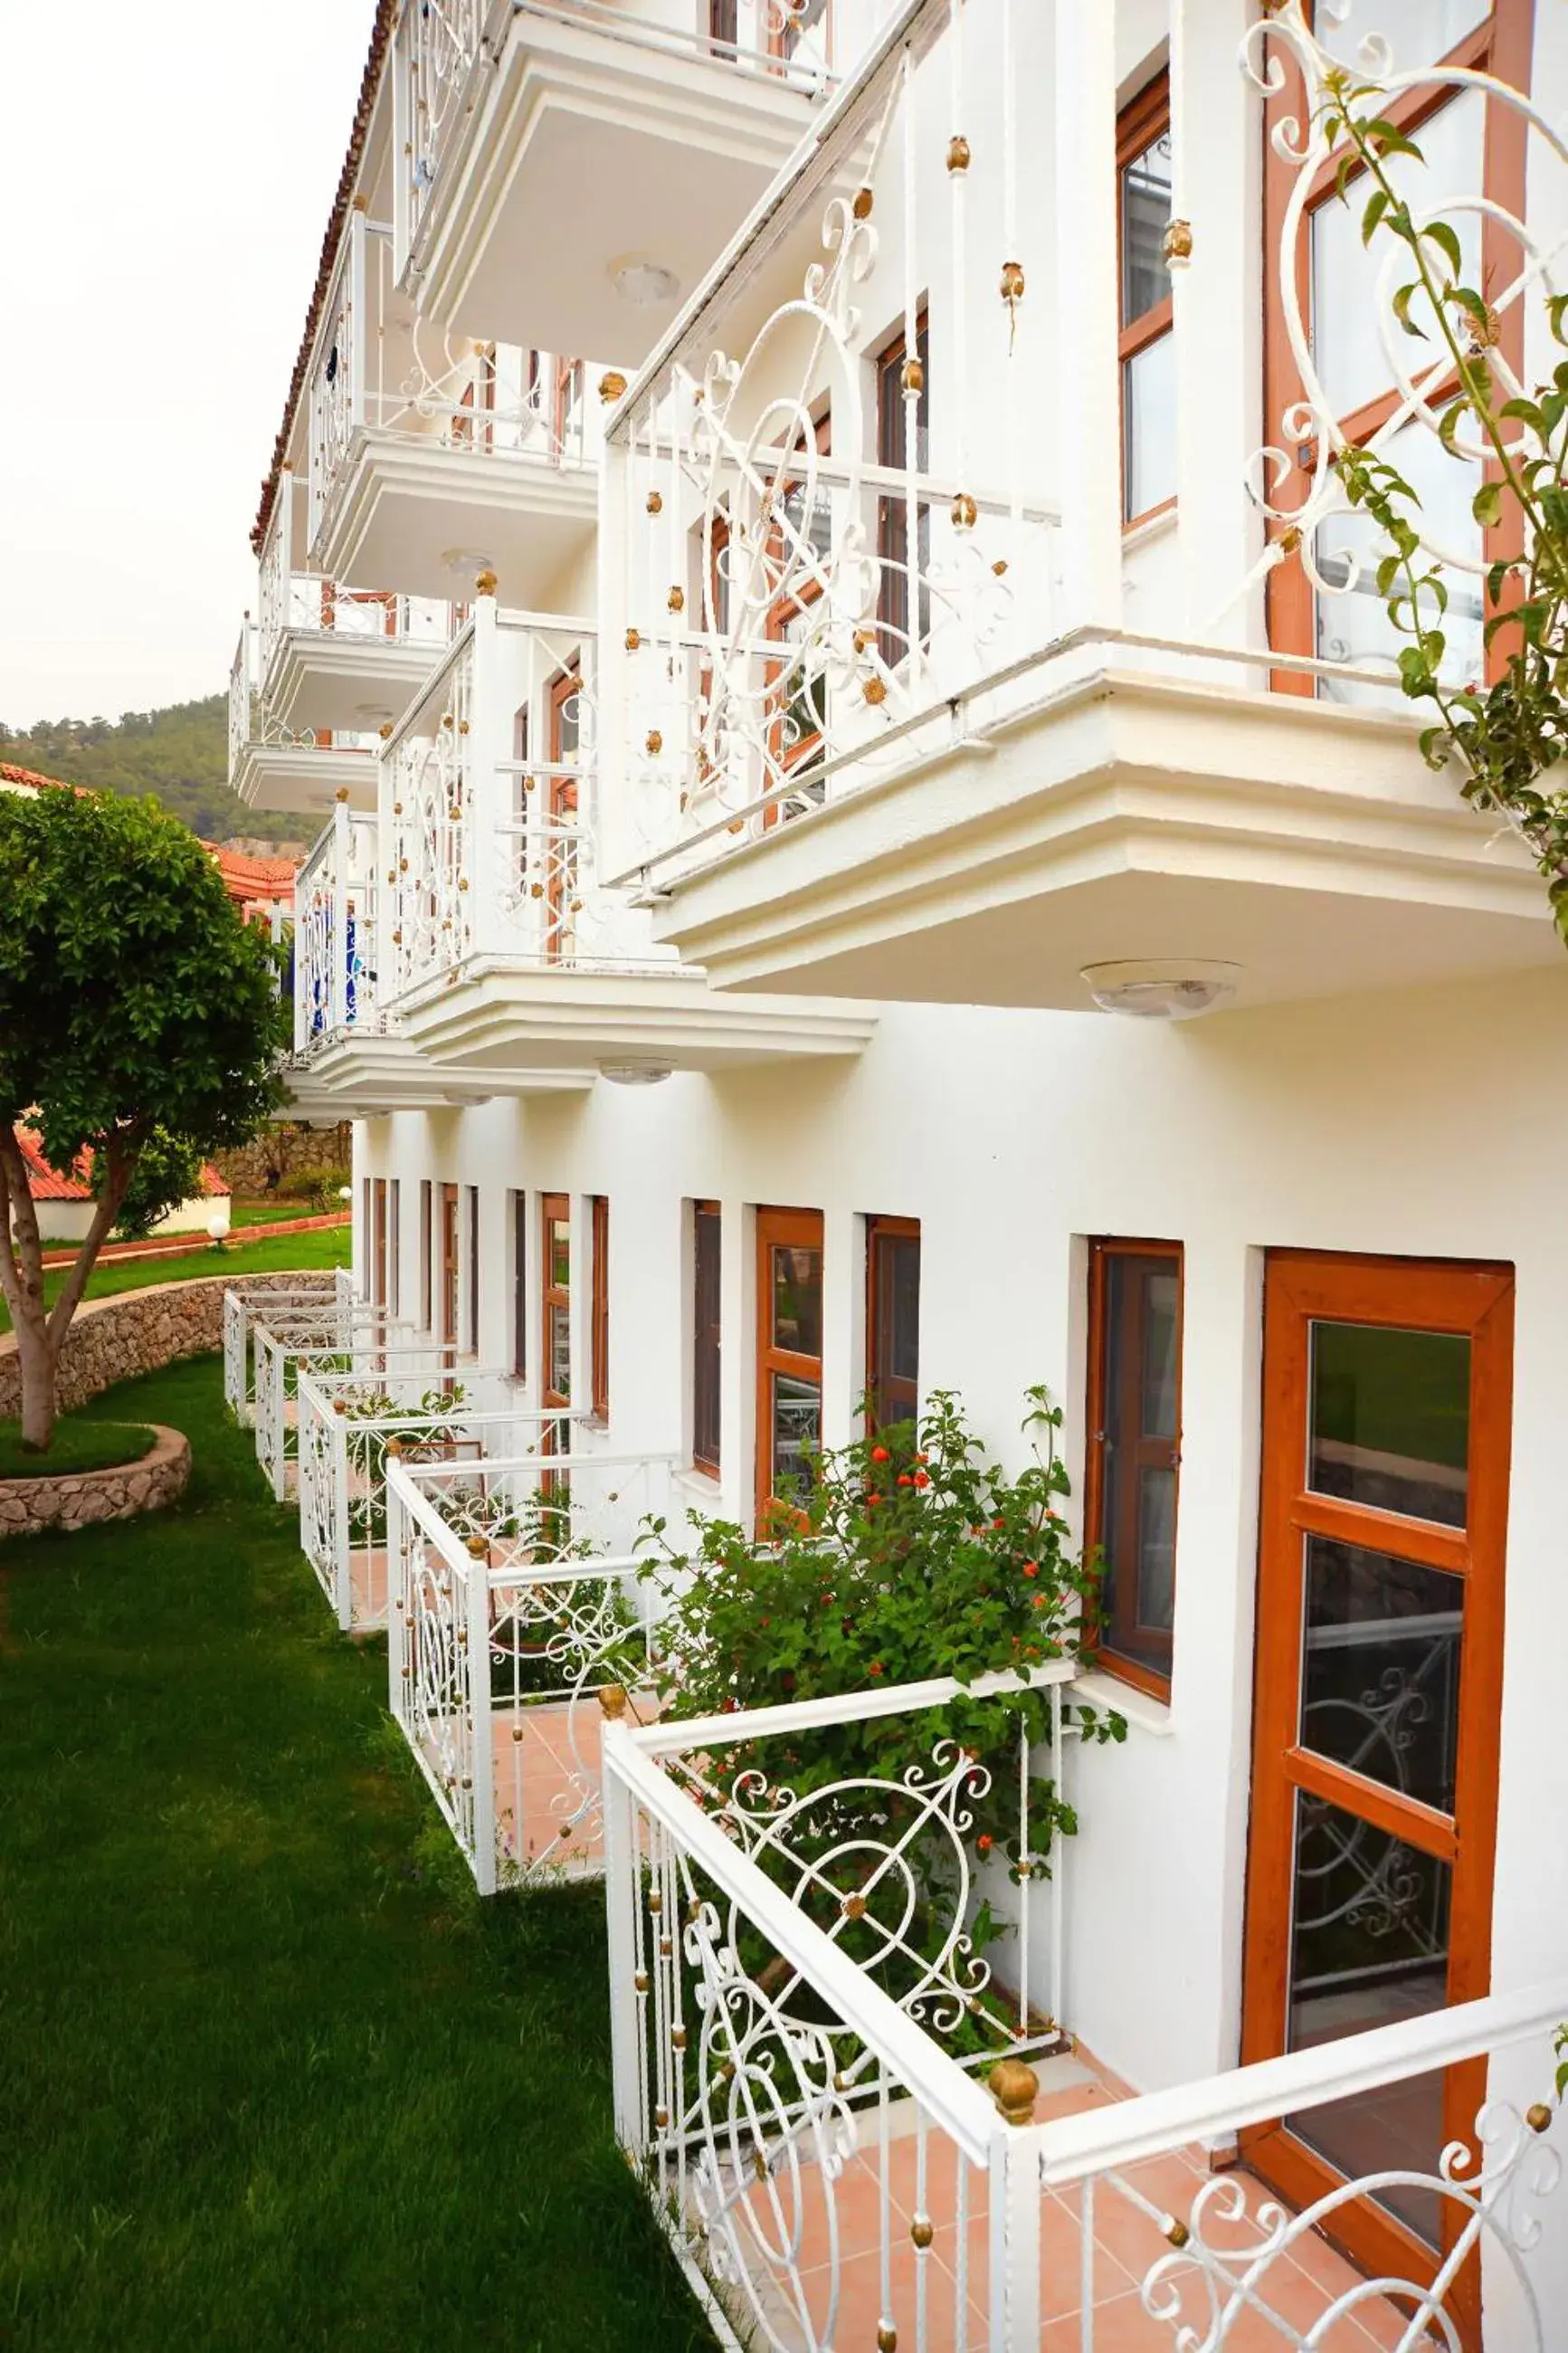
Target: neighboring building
{"x":754,"y":754}
{"x":65,"y":1201}
{"x":261,"y":888}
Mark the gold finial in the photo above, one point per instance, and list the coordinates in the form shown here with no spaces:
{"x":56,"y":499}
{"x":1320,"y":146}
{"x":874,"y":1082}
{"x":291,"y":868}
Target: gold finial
{"x":342,"y":794}
{"x":362,"y":204}
{"x":655,"y":741}
{"x":1177,"y":2232}
{"x":1014,"y":2086}
{"x":914,"y":377}
{"x":634,"y":640}
{"x":922,"y":2230}
{"x":655,"y":502}
{"x":612,"y":385}
{"x":385,"y":731}
{"x":613,"y":1700}
{"x":478,"y":1549}
{"x":958,"y":153}
{"x":887,"y":2337}
{"x":875,"y":690}
{"x":864,"y":200}
{"x":1176,"y":245}
{"x":1539,"y":2117}
{"x":485,"y":585}
{"x":965,"y":513}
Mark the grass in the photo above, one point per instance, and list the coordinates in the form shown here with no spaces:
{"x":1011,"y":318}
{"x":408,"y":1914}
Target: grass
{"x":328,"y":1246}
{"x":271,"y":2076}
{"x":78,"y":1444}
{"x":275,"y":1212}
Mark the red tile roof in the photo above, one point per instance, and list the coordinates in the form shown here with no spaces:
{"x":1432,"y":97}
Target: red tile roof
{"x":30,"y":780}
{"x":247,"y":878}
{"x":46,"y":1184}
{"x":380,"y":43}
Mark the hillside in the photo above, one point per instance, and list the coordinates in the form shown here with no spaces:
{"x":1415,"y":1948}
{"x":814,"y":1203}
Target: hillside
{"x":179,"y":754}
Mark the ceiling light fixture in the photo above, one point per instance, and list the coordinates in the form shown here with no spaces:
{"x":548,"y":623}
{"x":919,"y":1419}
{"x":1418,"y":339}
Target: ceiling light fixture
{"x":647,"y":285}
{"x":1160,"y":989}
{"x":634,"y":1074}
{"x":466,"y":561}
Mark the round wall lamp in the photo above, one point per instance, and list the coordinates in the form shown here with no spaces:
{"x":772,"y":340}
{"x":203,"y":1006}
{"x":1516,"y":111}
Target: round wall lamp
{"x":634,"y":1074}
{"x":645,"y":284}
{"x":1160,"y":989}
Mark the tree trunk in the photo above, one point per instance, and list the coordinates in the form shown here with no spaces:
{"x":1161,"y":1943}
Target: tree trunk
{"x":37,"y":1362}
{"x":40,"y":1333}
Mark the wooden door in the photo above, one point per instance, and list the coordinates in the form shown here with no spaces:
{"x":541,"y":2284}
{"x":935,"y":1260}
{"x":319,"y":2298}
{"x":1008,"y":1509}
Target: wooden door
{"x":449,"y":1267}
{"x":789,"y":1353}
{"x":1385,"y":1447}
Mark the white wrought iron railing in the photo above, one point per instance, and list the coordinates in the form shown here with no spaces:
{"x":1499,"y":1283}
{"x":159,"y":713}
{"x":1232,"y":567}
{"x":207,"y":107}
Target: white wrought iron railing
{"x":361,"y":1340}
{"x":492,"y":828}
{"x":445,"y":52}
{"x":517,"y":1627}
{"x":792,"y":1980}
{"x":350,"y":1425}
{"x":295,"y":602}
{"x":246,"y":1303}
{"x":254,"y":726}
{"x":336,"y":893}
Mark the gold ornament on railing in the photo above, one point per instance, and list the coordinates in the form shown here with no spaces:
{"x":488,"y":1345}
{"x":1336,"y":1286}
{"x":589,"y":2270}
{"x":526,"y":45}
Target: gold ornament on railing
{"x":612,"y":385}
{"x":1176,"y":245}
{"x":864,"y":200}
{"x":914,"y":377}
{"x":397,"y":808}
{"x":875,"y":690}
{"x":655,"y":502}
{"x":1012,"y":294}
{"x":1013,"y":2084}
{"x":958,"y":153}
{"x":485,"y":583}
{"x":342,"y":794}
{"x":655,"y":742}
{"x":634,"y":640}
{"x":386,"y":729}
{"x":462,"y":727}
{"x":965,"y":513}
{"x":676,"y":600}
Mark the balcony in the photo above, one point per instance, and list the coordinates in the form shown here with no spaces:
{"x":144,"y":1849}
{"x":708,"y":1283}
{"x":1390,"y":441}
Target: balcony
{"x":275,"y":766}
{"x":665,"y":135}
{"x":505,"y":952}
{"x":352,"y":1058}
{"x":333,"y":657}
{"x":957,"y":729}
{"x":428,"y":457}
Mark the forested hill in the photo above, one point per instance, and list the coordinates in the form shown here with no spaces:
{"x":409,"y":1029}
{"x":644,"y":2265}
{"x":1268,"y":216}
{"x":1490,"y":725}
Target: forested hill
{"x":179,"y":754}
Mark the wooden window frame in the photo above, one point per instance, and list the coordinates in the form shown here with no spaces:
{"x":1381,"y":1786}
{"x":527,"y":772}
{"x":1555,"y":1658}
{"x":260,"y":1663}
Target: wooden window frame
{"x":1300,"y":1287}
{"x":519,"y":1221}
{"x":569,"y":397}
{"x":894,"y":601}
{"x":1102,"y":1248}
{"x":599,"y":1304}
{"x":705,"y":1212}
{"x":471,"y":1273}
{"x":1139,"y":123}
{"x":450,"y":1213}
{"x":879,"y":1230}
{"x":427,"y":1253}
{"x":554,"y":1208}
{"x":1501,"y":47}
{"x":394,"y":1245}
{"x":791,"y":1228}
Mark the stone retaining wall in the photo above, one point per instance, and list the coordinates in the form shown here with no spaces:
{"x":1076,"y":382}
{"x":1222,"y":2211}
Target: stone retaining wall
{"x":137,"y":1332}
{"x":77,"y":1498}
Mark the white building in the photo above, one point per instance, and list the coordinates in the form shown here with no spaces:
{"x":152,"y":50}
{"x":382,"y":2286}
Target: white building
{"x":680,"y":928}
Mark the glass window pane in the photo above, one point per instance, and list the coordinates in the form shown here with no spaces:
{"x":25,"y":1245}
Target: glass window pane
{"x":1389,"y":1419}
{"x":705,"y":1409}
{"x":1418,"y":32}
{"x":1141,"y":1381}
{"x":1149,"y":403}
{"x":796,"y":1431}
{"x":1156,"y":1599}
{"x":1146,"y":216}
{"x":1369,"y":1945}
{"x":1351,"y":326}
{"x":559,"y":1239}
{"x":895,"y":1339}
{"x":1355,"y":627}
{"x":797,"y":1300}
{"x":1380,"y":1669}
{"x":559,"y":1375}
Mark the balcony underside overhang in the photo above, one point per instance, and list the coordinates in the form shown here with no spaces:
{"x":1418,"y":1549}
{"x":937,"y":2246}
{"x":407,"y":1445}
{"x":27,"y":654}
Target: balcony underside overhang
{"x":428,"y":518}
{"x":663,"y":152}
{"x":498,"y":1016}
{"x":305,"y":778}
{"x":364,"y":1075}
{"x":329,"y":678}
{"x":1126,"y":816}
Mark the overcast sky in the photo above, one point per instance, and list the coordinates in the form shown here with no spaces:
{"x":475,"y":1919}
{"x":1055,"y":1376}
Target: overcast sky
{"x":168,"y":173}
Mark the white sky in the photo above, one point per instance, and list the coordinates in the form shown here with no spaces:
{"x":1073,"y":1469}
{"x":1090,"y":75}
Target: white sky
{"x":168,"y":172}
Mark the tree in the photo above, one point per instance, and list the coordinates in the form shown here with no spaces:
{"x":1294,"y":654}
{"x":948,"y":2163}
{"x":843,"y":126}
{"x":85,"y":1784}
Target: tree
{"x":168,"y":1171}
{"x":133,"y":998}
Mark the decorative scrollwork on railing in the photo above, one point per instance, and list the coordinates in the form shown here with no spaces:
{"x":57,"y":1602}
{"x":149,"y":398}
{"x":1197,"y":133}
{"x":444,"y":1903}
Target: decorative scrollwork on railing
{"x":1217,"y":2281}
{"x":1294,"y":480}
{"x":438,"y":42}
{"x":437,"y":1711}
{"x":558,"y":1645}
{"x":430,"y":863}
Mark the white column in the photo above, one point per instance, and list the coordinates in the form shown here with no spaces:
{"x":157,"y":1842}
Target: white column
{"x":489,"y":801}
{"x":622,"y":1875}
{"x":1217,"y":160}
{"x":608,"y":798}
{"x":1089,"y":454}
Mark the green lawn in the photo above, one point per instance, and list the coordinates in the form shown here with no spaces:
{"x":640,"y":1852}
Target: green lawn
{"x":79,"y":1444}
{"x":274,"y":1213}
{"x":271,"y":2077}
{"x":330,"y":1246}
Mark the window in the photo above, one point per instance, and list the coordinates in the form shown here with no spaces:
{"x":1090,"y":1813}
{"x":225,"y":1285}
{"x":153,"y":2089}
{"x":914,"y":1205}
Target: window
{"x":520,"y":1285}
{"x":706,"y":1269}
{"x":1147,"y":350}
{"x":599,"y":1334}
{"x":367,"y":1271}
{"x":561,"y":843}
{"x":1134,"y":1452}
{"x":895,"y":398}
{"x":448,"y":1266}
{"x":472,"y":1313}
{"x":393,"y":1247}
{"x":427,"y":1252}
{"x":724,"y":25}
{"x":789,"y":1352}
{"x":892,"y":1319}
{"x":1468,"y":144}
{"x":555,"y":1300}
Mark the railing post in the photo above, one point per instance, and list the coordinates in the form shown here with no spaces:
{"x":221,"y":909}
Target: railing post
{"x":338,"y":991}
{"x":622,"y":1872}
{"x":1014,"y":2211}
{"x":487,"y":797}
{"x":481,"y":1756}
{"x":1088,"y":277}
{"x":618,"y":672}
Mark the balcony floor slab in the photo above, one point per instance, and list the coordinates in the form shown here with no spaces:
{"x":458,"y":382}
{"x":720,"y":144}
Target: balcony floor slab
{"x":366,"y":1075}
{"x":341,"y":679}
{"x":306,"y":779}
{"x":408,"y":509}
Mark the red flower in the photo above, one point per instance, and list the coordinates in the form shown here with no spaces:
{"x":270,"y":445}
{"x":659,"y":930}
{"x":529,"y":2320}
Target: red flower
{"x":787,"y":1680}
{"x":878,"y":1454}
{"x":872,"y":1502}
{"x":1042,"y":1601}
{"x":904,"y":1478}
{"x":921,"y":1479}
{"x":730,"y":1707}
{"x":875,"y":1668}
{"x":923,"y":1458}
{"x":999,"y":1523}
{"x":1031,"y":1568}
{"x":983,"y":1841}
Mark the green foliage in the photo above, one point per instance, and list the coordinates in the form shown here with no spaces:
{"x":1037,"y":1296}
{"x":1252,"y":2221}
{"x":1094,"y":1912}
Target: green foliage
{"x":178,"y":755}
{"x":167,"y":1172}
{"x":132,"y":997}
{"x":1509,"y":738}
